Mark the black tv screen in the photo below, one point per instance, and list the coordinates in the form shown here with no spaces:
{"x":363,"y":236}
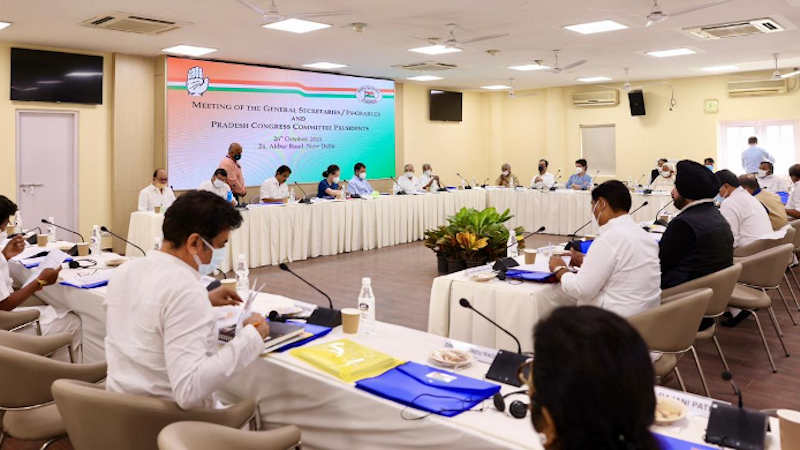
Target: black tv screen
{"x":445,"y":105}
{"x":43,"y":76}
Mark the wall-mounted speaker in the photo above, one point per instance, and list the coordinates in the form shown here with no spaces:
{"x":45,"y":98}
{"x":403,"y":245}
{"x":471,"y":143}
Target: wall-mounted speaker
{"x":636,"y":102}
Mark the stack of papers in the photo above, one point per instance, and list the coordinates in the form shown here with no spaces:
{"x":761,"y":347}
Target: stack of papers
{"x":86,"y":278}
{"x":50,"y":261}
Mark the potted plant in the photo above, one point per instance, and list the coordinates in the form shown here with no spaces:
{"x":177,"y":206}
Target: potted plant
{"x":434,"y":241}
{"x":471,"y":245}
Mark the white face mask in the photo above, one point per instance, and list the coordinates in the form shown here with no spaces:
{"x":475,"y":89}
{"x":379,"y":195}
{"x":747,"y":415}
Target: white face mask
{"x":363,"y":175}
{"x":410,"y":175}
{"x":594,"y":219}
{"x":3,"y":236}
{"x":578,"y":170}
{"x":666,"y":173}
{"x":427,"y":173}
{"x":505,"y":173}
{"x":217,"y":257}
{"x":762,"y":173}
{"x":218,"y":183}
{"x":335,"y":180}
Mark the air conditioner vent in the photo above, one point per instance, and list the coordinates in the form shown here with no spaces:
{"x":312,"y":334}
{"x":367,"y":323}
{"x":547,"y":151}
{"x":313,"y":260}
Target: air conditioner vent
{"x":427,"y":66}
{"x":756,"y":88}
{"x":130,"y":23}
{"x":608,"y":97}
{"x":736,"y":29}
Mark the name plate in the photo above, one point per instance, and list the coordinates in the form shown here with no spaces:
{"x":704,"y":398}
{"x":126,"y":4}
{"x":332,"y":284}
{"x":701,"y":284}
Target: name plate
{"x":482,"y":354}
{"x":697,"y":405}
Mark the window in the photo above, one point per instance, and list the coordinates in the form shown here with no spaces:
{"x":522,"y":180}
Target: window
{"x":598,"y":147}
{"x":778,"y":137}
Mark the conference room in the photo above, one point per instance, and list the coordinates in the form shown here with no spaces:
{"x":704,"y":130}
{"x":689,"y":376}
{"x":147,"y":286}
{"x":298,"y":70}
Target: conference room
{"x":263,"y":224}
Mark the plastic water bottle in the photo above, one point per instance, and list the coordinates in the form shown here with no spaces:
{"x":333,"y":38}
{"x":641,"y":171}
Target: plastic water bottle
{"x":366,"y":304}
{"x":18,"y":222}
{"x":513,"y":249}
{"x":242,"y":277}
{"x":291,"y":195}
{"x":51,"y":230}
{"x":95,"y":241}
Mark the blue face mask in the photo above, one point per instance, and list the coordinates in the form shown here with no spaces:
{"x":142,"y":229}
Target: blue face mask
{"x":217,"y":257}
{"x":719,"y":199}
{"x":710,"y":167}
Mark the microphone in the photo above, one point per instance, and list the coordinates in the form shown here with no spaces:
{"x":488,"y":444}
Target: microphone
{"x":505,"y":364}
{"x":502,"y":264}
{"x":639,"y":181}
{"x":466,"y":182}
{"x":640,"y":207}
{"x":657,"y":221}
{"x":105,"y":229}
{"x":733,"y":427}
{"x":555,"y":182}
{"x":400,"y":191}
{"x":305,"y":196}
{"x":65,"y":229}
{"x":573,"y":244}
{"x":727,"y":376}
{"x":326,"y":317}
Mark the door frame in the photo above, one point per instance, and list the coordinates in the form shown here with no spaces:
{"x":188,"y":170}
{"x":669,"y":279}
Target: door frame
{"x":75,"y":150}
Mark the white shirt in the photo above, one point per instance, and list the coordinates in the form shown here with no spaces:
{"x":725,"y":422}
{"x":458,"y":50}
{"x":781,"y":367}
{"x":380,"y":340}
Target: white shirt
{"x":663,"y":184}
{"x":620,"y":272}
{"x":150,"y":197}
{"x":794,"y":197}
{"x":161,"y":334}
{"x":548,"y":180}
{"x":208,"y":185}
{"x":270,"y":188}
{"x":424,"y":180}
{"x":774,"y":183}
{"x":408,"y":185}
{"x":6,"y":283}
{"x":747,"y":217}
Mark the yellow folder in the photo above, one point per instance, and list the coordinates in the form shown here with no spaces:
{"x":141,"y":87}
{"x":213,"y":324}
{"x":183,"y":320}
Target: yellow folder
{"x":346,"y":360}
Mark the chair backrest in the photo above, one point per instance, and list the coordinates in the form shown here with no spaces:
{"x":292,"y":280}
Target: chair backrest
{"x":40,"y":345}
{"x":27,"y":377}
{"x":796,"y":226}
{"x":672,"y":326}
{"x":766,"y":268}
{"x":98,"y":419}
{"x":206,"y":436}
{"x":765,"y":244}
{"x":721,"y":283}
{"x":13,"y":319}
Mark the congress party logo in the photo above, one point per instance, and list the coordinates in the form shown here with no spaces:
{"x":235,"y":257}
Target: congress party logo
{"x":368,"y":94}
{"x":196,"y":84}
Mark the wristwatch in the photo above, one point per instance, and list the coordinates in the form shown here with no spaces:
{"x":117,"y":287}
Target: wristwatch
{"x":41,"y":282}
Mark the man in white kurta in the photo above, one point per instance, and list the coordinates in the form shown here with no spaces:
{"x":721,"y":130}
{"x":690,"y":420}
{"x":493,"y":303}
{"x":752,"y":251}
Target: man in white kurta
{"x":621,"y":271}
{"x":218,"y":184}
{"x":157,"y":193}
{"x":428,"y":181}
{"x":407,"y":182}
{"x":275,"y":189}
{"x":747,"y":217}
{"x":545,"y":179}
{"x":161,"y":333}
{"x":768,"y":181}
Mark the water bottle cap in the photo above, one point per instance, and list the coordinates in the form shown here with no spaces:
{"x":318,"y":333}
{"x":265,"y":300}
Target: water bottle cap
{"x":366,"y":280}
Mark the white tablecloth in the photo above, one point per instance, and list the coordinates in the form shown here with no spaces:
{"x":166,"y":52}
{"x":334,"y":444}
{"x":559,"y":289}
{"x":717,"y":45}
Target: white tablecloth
{"x":564,"y":211}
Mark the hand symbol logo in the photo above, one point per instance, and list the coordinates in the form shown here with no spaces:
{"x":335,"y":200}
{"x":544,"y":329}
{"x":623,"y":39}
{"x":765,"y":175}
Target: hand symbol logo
{"x":195,"y":83}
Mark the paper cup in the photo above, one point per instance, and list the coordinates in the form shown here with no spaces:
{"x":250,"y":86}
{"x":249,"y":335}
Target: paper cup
{"x":41,"y":240}
{"x":229,"y":283}
{"x":790,"y":428}
{"x":11,"y":229}
{"x":530,"y":255}
{"x":350,"y":319}
{"x":83,"y":249}
{"x":157,"y":209}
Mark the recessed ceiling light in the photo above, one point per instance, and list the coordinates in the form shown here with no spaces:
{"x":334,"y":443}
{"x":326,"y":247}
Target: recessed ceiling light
{"x":188,"y":50}
{"x":296,"y":25}
{"x":526,"y":67}
{"x":79,"y":74}
{"x":593,"y":79}
{"x":671,"y":52}
{"x":596,"y":27}
{"x":496,"y":87}
{"x":4,"y":25}
{"x":424,"y":78}
{"x":720,"y":68}
{"x":434,"y":92}
{"x":325,"y":65}
{"x":435,"y":49}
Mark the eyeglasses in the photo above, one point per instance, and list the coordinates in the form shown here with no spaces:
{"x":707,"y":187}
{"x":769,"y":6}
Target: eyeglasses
{"x":525,"y":373}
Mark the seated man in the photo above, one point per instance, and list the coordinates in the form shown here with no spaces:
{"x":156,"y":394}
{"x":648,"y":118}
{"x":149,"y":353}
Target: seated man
{"x":358,"y":185}
{"x":407,"y":182}
{"x":545,"y":179}
{"x":654,"y":174}
{"x":428,"y":181}
{"x":793,"y":205}
{"x":665,"y":180}
{"x":580,"y":180}
{"x":746,"y":216}
{"x":506,"y":178}
{"x":161,"y":329}
{"x":218,"y":184}
{"x":709,"y":163}
{"x":770,"y":200}
{"x":698,"y":241}
{"x":274,"y":189}
{"x":769,"y":181}
{"x":157,"y":193}
{"x":619,"y":271}
{"x":10,"y":299}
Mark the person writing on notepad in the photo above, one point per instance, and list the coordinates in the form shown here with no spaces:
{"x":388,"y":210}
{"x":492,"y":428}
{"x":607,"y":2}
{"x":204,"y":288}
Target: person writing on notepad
{"x":274,"y":189}
{"x":620,"y":271}
{"x":329,"y":186}
{"x":161,"y":329}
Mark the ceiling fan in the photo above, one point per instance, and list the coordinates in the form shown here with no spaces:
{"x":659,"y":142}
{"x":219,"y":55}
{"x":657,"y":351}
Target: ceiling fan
{"x":777,"y":75}
{"x":452,"y":42}
{"x":657,"y":15}
{"x":558,"y":69}
{"x":273,"y":14}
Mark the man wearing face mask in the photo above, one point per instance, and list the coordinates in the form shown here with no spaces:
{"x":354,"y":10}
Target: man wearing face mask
{"x":544,"y":179}
{"x":218,"y":184}
{"x":428,"y":181}
{"x":769,"y":181}
{"x":618,"y":271}
{"x":655,"y":173}
{"x":747,"y":217}
{"x":580,"y":180}
{"x":665,"y":180}
{"x":407,"y":182}
{"x":231,"y":165}
{"x":709,"y":163}
{"x":157,"y":193}
{"x":698,"y":241}
{"x":274,"y":189}
{"x":161,"y":329}
{"x":358,"y":185}
{"x":506,"y":178}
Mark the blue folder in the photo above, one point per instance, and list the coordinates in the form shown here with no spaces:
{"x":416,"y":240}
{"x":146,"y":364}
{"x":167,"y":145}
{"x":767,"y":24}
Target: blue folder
{"x":584,"y":248}
{"x":530,"y":275}
{"x":85,"y":286}
{"x":670,"y":443}
{"x":784,"y":196}
{"x":429,"y":389}
{"x":317,"y":331}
